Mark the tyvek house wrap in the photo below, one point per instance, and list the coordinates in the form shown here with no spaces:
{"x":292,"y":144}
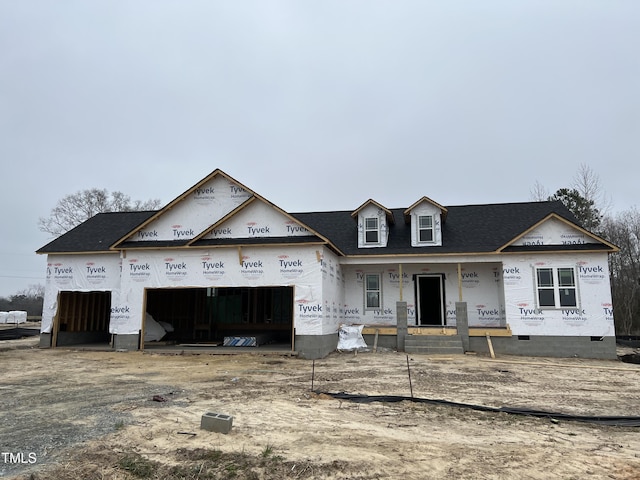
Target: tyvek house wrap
{"x":594,"y":314}
{"x":81,"y":273}
{"x":479,"y":285}
{"x":198,"y":212}
{"x":592,"y":317}
{"x":497,"y":294}
{"x":220,"y":267}
{"x":265,"y":266}
{"x":203,"y":207}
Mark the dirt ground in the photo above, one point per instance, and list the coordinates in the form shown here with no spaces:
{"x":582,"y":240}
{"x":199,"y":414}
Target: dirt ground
{"x":68,"y":414}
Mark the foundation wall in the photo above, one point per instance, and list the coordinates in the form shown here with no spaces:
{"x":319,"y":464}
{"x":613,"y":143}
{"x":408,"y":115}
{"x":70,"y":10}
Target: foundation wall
{"x":126,"y":342}
{"x":79,"y":338}
{"x":316,"y":346}
{"x":548,"y":346}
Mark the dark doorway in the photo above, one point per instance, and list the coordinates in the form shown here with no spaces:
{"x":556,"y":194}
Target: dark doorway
{"x":208,"y":315}
{"x":430,"y":299}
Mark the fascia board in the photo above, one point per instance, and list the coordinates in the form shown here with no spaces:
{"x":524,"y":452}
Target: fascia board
{"x":443,"y":210}
{"x":85,"y":252}
{"x":388,"y":213}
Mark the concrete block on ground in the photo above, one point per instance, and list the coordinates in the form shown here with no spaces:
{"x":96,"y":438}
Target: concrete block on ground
{"x":216,"y":422}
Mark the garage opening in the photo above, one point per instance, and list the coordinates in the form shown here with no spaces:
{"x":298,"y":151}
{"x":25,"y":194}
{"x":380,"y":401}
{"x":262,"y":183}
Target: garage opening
{"x":210,"y":316}
{"x":82,"y":318}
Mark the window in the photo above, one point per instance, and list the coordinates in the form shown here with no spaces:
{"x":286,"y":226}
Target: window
{"x":372,"y":291}
{"x":425,"y":228}
{"x":556,"y":287}
{"x":371,"y":230}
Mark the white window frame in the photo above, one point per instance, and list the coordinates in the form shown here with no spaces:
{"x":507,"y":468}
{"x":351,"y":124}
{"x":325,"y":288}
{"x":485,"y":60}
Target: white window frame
{"x":368,"y":229}
{"x":419,"y":229}
{"x":368,"y":290}
{"x":561,"y":292}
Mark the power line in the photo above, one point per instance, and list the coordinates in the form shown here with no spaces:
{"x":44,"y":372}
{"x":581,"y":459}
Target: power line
{"x":18,"y":276}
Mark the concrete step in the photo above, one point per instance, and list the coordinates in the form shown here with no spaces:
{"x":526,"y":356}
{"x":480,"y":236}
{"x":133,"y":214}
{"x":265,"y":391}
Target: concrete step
{"x":433,"y":339}
{"x":434,"y":344}
{"x":435,"y":350}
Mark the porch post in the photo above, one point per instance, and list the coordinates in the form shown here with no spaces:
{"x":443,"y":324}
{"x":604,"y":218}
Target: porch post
{"x":401,"y":324}
{"x":462,"y":317}
{"x":462,"y":324}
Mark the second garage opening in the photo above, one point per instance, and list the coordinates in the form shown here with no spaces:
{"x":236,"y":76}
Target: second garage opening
{"x":223,"y":316}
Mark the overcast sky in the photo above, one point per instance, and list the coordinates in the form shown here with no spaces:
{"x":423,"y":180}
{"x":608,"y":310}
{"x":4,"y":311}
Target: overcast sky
{"x":315,"y":105}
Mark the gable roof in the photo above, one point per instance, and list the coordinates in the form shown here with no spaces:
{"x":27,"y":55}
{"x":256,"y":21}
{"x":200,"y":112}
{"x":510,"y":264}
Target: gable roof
{"x":180,"y":198}
{"x":387,"y":212}
{"x":510,"y":247}
{"x":488,"y":228}
{"x":443,"y":210}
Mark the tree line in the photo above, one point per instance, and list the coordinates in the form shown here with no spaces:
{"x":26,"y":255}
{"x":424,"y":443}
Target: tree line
{"x":29,"y":300}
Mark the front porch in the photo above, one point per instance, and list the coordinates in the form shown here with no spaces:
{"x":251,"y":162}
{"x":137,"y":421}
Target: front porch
{"x":442,"y":340}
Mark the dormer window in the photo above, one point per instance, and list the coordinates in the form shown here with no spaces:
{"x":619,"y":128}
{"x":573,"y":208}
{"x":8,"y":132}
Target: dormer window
{"x":425,"y":228}
{"x":372,"y":230}
{"x":374,"y":221}
{"x":426,"y":218}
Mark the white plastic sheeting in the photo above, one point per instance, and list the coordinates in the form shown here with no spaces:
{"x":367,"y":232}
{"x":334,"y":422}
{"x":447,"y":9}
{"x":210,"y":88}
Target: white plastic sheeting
{"x":153,"y":331}
{"x":13,"y":317}
{"x":350,"y":338}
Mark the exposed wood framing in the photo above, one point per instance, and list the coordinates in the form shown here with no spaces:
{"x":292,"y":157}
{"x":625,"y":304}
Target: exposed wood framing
{"x":490,"y":344}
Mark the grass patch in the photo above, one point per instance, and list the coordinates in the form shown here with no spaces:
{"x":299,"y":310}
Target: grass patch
{"x":267,"y":451}
{"x":99,"y":463}
{"x":138,"y":465}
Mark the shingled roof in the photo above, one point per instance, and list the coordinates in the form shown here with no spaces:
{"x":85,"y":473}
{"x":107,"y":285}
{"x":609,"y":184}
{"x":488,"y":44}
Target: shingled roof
{"x":97,"y":234}
{"x":468,"y":229}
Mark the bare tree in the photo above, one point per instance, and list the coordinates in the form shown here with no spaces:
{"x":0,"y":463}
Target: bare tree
{"x":73,"y":209}
{"x":539,"y":192}
{"x":29,"y":300}
{"x":585,"y":198}
{"x":587,"y":182}
{"x":33,"y":291}
{"x":624,"y":231}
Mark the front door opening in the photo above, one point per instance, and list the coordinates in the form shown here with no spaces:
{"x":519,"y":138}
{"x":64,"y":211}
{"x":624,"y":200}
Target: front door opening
{"x":430,"y":300}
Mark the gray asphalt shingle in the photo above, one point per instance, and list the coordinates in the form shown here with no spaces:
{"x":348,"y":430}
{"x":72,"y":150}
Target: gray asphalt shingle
{"x":467,"y":229}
